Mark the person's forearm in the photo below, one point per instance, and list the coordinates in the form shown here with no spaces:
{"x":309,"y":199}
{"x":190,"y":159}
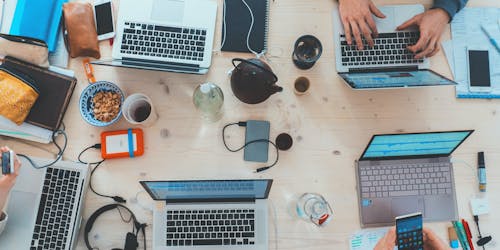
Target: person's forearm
{"x":450,"y":6}
{"x":3,"y":199}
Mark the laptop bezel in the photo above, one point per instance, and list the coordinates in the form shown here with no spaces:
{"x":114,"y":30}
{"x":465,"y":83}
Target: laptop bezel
{"x":361,"y":158}
{"x":353,"y":86}
{"x":266,"y":195}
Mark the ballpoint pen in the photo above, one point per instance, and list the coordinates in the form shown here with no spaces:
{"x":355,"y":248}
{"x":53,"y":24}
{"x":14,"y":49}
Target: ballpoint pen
{"x":491,"y":38}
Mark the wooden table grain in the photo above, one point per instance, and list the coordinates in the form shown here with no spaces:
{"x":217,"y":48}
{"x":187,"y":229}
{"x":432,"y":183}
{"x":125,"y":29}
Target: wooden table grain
{"x":330,"y":126}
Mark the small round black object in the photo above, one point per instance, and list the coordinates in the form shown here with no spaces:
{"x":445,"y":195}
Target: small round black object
{"x":284,"y":141}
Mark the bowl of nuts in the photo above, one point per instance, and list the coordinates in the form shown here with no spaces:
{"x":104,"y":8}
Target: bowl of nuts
{"x":100,"y":103}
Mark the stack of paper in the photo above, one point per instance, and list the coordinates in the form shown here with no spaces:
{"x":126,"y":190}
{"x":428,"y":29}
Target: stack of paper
{"x":366,"y":239}
{"x":466,"y":32}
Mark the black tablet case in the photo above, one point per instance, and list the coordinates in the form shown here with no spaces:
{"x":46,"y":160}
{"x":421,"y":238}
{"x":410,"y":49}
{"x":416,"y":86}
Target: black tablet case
{"x":238,"y":22}
{"x":55,"y":91}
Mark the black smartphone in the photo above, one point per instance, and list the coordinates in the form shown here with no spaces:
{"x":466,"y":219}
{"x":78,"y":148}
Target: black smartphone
{"x":409,"y":232}
{"x":257,"y":151}
{"x":8,"y":162}
{"x":479,"y":70}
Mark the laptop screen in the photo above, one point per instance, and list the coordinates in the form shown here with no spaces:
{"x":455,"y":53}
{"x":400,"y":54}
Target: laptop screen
{"x":411,"y":145}
{"x":394,"y":79}
{"x":208,"y":189}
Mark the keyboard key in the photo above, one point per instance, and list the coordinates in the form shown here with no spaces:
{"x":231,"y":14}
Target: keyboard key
{"x":205,"y":242}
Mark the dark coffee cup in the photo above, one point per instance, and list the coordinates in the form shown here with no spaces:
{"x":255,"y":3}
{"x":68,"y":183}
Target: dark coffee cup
{"x":307,"y":51}
{"x":301,"y":85}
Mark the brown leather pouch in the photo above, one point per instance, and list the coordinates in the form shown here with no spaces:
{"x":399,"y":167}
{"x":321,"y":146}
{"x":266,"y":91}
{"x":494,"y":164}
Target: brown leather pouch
{"x":80,"y":31}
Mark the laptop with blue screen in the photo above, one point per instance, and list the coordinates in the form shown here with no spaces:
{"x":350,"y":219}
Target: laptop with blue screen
{"x":388,"y":63}
{"x":210,"y":214}
{"x":399,"y":174}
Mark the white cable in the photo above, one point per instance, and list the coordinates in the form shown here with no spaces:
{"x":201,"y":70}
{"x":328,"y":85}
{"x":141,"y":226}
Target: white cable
{"x":224,"y":29}
{"x":275,"y":223}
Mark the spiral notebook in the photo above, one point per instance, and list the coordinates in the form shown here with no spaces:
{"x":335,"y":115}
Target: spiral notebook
{"x":237,"y":24}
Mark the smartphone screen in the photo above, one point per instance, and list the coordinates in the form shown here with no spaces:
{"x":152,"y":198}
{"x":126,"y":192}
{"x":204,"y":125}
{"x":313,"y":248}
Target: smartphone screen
{"x":479,"y":68}
{"x":104,"y":18}
{"x":256,"y":151}
{"x":409,"y":232}
{"x":6,"y":162}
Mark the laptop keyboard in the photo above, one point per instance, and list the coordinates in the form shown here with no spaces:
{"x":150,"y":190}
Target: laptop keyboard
{"x":53,"y":220}
{"x":405,"y":180}
{"x":211,"y":227}
{"x":163,"y":41}
{"x":389,"y":48}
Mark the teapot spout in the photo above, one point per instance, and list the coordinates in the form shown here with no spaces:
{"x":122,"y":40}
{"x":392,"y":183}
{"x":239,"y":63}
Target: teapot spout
{"x":276,"y":88}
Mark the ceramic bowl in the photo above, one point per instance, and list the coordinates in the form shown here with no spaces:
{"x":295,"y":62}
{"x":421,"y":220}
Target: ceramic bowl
{"x":87,"y":107}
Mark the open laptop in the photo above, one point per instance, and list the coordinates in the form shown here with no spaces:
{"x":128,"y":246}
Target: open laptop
{"x":400,"y":174}
{"x":167,"y":35}
{"x":45,"y":206}
{"x":210,"y":214}
{"x":388,"y":64}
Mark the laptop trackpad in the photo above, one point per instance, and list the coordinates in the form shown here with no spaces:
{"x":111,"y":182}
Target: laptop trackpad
{"x":407,"y":205}
{"x":168,"y":10}
{"x":19,"y":229}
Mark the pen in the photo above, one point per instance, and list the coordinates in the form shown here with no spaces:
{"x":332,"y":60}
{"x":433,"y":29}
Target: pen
{"x":468,"y":234}
{"x":481,"y":171}
{"x":490,"y":37}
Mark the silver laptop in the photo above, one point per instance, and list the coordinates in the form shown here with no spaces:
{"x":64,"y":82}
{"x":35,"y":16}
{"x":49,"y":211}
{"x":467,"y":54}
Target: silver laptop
{"x":210,"y":214}
{"x":45,"y":207}
{"x":388,"y":64}
{"x":167,"y":35}
{"x":406,"y":173}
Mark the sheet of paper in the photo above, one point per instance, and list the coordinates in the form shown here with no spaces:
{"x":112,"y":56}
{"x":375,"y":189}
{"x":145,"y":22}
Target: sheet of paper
{"x":60,"y":57}
{"x":480,"y":205}
{"x":366,"y":239}
{"x":466,"y":32}
{"x":8,"y":13}
{"x":448,"y":52}
{"x":24,"y":131}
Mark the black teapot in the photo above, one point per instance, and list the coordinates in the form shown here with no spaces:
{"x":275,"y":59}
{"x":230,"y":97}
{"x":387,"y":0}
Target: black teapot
{"x":253,"y":81}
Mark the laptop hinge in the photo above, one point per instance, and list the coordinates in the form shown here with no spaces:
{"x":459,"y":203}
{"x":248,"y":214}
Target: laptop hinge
{"x":225,"y":200}
{"x":385,"y":69}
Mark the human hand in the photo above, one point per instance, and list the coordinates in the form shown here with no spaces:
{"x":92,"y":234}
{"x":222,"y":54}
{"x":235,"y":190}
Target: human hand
{"x":356,"y":17}
{"x":388,"y":242}
{"x":7,"y":181}
{"x":431,"y":24}
{"x":432,"y":241}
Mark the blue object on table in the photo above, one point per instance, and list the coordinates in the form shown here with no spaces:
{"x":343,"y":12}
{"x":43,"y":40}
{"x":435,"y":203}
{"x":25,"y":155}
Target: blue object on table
{"x":491,"y":38}
{"x":38,"y":19}
{"x":87,"y":107}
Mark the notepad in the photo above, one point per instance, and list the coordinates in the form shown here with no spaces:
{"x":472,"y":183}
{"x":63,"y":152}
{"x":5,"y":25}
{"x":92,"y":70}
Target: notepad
{"x":38,"y":19}
{"x":237,"y":21}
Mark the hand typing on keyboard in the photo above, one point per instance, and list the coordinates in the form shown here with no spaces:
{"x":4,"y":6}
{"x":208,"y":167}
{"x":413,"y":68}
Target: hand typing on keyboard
{"x":356,"y":16}
{"x":431,"y":240}
{"x":431,"y":25}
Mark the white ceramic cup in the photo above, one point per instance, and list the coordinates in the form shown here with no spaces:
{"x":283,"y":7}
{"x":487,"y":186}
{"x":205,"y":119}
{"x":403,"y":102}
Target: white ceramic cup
{"x":138,"y":109}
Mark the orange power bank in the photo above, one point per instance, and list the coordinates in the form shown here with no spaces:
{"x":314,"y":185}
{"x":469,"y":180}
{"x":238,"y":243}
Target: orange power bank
{"x":122,"y":143}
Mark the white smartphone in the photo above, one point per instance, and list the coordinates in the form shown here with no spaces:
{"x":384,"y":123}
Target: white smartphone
{"x":104,"y":20}
{"x":479,"y":70}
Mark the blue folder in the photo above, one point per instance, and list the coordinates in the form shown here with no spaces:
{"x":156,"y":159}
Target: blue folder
{"x":38,"y":19}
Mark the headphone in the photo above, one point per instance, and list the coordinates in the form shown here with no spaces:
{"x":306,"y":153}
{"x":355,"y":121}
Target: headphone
{"x":131,"y":237}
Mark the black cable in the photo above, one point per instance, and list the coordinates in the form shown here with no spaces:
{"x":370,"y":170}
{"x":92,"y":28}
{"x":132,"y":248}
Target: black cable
{"x":116,"y":198}
{"x":243,"y":124}
{"x":59,"y":148}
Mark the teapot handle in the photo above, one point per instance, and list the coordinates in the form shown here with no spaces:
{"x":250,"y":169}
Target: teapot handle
{"x":254,"y":64}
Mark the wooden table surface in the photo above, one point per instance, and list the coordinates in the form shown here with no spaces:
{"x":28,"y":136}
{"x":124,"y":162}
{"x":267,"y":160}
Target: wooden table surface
{"x":330,"y":126}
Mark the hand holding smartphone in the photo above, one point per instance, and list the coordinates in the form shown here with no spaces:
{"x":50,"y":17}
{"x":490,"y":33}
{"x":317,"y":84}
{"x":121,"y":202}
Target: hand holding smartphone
{"x":103,"y":13}
{"x":409,"y":232}
{"x":8,"y":162}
